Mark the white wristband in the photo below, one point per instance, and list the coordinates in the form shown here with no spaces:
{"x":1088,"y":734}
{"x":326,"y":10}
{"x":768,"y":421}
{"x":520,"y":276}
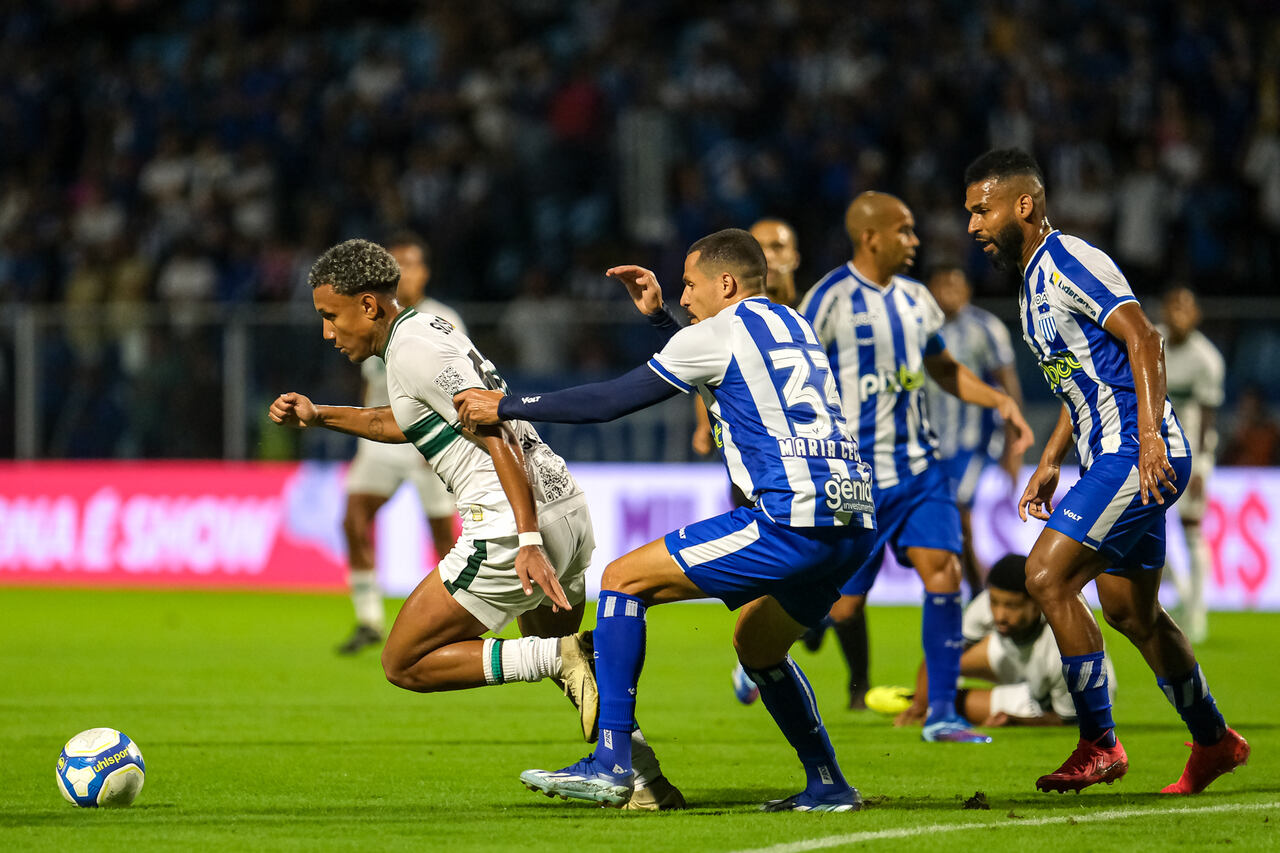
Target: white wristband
{"x":534,"y":538}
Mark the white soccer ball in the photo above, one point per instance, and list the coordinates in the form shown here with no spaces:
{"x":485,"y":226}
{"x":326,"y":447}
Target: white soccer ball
{"x":100,"y":767}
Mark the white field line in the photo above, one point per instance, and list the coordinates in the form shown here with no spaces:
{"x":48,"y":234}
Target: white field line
{"x":937,"y":828}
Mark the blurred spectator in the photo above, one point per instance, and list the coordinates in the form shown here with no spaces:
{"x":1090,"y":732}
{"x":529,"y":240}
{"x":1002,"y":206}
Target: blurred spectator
{"x":197,"y":151}
{"x":1255,"y":441}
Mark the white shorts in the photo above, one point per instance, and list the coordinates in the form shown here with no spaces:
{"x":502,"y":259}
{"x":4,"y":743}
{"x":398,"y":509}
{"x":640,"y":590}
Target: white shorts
{"x":481,"y":575}
{"x":379,"y":469}
{"x":1015,"y":700}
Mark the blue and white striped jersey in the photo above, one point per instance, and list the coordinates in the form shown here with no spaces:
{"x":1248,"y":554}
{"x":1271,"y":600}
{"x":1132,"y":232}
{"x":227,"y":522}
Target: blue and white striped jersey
{"x":1069,"y":290}
{"x":978,"y":340}
{"x":877,"y":339}
{"x":776,"y":413}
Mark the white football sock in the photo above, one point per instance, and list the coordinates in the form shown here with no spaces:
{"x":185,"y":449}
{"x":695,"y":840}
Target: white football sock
{"x":525,"y":659}
{"x":643,"y":760}
{"x":1198,"y":551}
{"x":366,"y":597}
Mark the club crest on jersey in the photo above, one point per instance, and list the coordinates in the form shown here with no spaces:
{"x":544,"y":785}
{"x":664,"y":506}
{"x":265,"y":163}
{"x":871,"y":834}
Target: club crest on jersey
{"x":1048,"y":327}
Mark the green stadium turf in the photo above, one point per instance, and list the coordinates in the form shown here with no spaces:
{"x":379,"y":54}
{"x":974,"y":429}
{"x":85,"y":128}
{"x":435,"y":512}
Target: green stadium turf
{"x":258,"y":737}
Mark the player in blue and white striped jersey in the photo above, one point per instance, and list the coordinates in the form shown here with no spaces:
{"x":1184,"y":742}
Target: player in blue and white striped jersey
{"x":881,"y":332}
{"x":769,"y":388}
{"x":1103,"y":358}
{"x":970,"y":437}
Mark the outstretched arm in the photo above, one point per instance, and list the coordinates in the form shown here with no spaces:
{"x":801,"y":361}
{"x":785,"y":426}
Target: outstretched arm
{"x":642,"y":286}
{"x":584,"y":404}
{"x":297,"y":411}
{"x":960,"y":381}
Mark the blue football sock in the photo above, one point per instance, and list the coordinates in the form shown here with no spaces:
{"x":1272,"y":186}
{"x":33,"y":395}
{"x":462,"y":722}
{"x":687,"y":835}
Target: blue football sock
{"x":1086,"y":677}
{"x":940,"y":634}
{"x":619,"y":647}
{"x":789,"y":699}
{"x":1192,"y":700}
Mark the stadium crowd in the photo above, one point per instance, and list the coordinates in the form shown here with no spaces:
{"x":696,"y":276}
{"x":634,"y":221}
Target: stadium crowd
{"x":180,"y":153}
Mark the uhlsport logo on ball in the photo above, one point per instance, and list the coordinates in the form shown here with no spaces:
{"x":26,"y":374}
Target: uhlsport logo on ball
{"x":100,"y":767}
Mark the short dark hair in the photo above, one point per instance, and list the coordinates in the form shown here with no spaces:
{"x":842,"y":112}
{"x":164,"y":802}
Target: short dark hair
{"x":1002,"y":163}
{"x":738,"y":250}
{"x":354,"y":267}
{"x":405,"y":237}
{"x":1009,"y":574}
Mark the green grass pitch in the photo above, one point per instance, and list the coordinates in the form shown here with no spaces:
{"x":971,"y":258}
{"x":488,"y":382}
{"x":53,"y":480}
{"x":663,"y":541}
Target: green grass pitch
{"x":258,"y":737}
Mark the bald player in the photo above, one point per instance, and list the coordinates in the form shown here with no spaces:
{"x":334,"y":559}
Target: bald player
{"x":1102,"y":357}
{"x":881,"y":332}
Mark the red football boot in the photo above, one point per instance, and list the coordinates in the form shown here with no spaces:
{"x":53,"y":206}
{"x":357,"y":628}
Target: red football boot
{"x":1088,"y":765}
{"x":1209,"y":762}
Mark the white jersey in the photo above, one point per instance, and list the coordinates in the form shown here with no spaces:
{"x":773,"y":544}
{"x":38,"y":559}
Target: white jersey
{"x":429,"y":360}
{"x":770,"y":393}
{"x":1194,"y":372}
{"x":374,"y":369}
{"x":1035,"y":662}
{"x":877,"y":339}
{"x":1069,"y":290}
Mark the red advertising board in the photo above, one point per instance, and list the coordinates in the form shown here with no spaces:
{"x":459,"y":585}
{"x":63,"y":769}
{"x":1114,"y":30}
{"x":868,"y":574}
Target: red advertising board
{"x":197,"y":524}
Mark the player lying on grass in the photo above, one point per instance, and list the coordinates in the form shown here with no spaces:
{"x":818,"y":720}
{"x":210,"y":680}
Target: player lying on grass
{"x":1007,"y":642}
{"x":1102,"y":357}
{"x":526,"y":533}
{"x":768,"y":386}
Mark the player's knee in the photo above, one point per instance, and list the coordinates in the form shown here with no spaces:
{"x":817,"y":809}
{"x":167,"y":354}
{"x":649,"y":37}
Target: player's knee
{"x":847,"y":609}
{"x":619,"y":577}
{"x":1041,"y":582}
{"x":754,"y":652}
{"x":402,"y":675}
{"x":355,"y":524}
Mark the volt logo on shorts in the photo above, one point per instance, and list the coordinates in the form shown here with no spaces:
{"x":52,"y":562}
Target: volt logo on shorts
{"x":1071,"y":515}
{"x":845,"y":494}
{"x":902,"y":379}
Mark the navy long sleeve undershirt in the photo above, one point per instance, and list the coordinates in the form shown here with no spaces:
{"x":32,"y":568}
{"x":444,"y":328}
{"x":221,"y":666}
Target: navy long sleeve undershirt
{"x":594,"y":403}
{"x":598,"y":402}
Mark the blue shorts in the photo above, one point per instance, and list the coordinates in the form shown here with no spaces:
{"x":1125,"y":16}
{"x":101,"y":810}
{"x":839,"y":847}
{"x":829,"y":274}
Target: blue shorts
{"x":963,"y":472}
{"x":1104,"y":511}
{"x":916,"y":513}
{"x":742,"y":555}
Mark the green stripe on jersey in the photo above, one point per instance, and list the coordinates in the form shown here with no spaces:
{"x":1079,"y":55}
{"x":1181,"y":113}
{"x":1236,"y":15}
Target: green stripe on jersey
{"x":423,"y":426}
{"x":436,"y":444}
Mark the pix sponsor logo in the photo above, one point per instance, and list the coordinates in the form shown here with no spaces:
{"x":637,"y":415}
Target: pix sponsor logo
{"x":902,"y":379}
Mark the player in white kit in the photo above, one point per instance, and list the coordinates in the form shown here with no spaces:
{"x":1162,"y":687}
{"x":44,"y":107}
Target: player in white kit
{"x":526,"y":532}
{"x":378,"y":470}
{"x":1194,"y":372}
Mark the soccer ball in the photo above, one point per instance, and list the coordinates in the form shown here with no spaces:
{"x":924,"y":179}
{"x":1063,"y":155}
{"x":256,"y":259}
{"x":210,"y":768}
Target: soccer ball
{"x":100,"y":767}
